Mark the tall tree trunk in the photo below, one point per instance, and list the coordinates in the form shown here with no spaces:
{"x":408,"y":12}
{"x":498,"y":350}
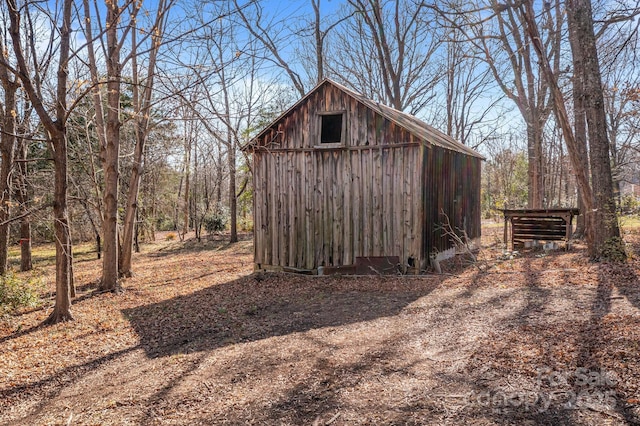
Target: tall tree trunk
{"x":187,"y":183}
{"x":219,"y":179}
{"x":233,"y":199}
{"x":142,"y":105}
{"x":136,"y":234}
{"x":64,"y":251}
{"x":111,"y":151}
{"x":132,"y":208}
{"x":606,"y":233}
{"x":56,"y":131}
{"x":536,"y":160}
{"x":22,"y":196}
{"x":452,"y":62}
{"x":562,"y":117}
{"x":319,"y":41}
{"x":99,"y":125}
{"x":26,"y":263}
{"x":197,"y":219}
{"x":7,"y":152}
{"x":64,"y":281}
{"x":579,"y":123}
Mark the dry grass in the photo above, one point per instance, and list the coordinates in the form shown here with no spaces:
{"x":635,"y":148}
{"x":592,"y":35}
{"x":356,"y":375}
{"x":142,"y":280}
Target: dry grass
{"x":197,"y":339}
{"x":630,"y":222}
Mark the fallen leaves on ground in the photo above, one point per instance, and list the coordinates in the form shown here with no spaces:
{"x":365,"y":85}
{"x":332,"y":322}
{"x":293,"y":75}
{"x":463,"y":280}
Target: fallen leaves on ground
{"x":198,"y":339}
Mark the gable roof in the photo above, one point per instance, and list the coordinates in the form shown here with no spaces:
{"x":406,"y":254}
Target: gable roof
{"x":417,"y":127}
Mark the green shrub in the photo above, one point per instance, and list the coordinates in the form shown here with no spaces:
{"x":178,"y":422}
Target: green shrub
{"x":215,"y":222}
{"x":165,"y":223}
{"x":629,"y":205}
{"x":16,"y":293}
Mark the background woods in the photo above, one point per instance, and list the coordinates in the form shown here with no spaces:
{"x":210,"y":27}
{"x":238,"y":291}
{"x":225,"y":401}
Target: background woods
{"x":125,"y":118}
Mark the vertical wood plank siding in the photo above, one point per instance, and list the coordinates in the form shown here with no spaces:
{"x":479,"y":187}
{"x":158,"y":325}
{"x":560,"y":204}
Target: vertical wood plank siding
{"x":378,"y":195}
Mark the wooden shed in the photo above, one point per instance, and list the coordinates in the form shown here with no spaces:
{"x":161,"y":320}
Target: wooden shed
{"x":339,"y":178}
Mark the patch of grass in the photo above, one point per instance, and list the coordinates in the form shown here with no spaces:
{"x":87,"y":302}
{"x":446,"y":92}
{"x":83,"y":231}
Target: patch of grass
{"x":492,"y":224}
{"x":632,"y":221}
{"x":45,"y":254}
{"x":16,"y":292}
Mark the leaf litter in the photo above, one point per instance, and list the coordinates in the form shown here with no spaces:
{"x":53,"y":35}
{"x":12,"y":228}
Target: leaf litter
{"x":197,"y":338}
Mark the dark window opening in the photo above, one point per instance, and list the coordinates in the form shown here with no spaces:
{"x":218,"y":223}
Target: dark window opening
{"x":331,"y":128}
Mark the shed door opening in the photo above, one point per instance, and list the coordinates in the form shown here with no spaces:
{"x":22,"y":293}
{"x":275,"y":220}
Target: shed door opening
{"x":331,"y":128}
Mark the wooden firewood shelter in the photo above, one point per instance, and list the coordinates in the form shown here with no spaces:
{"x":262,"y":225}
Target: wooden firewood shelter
{"x":538,"y":225}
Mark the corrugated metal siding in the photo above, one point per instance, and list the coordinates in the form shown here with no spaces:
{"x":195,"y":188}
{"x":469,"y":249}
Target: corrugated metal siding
{"x":452,"y":187}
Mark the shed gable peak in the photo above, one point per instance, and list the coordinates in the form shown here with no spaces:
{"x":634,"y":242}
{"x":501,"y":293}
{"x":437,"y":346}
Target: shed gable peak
{"x":422,"y":131}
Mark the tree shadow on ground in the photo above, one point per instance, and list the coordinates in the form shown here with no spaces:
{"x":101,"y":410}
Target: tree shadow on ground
{"x":319,"y":398}
{"x":50,"y":387}
{"x":206,"y":243}
{"x":573,"y":387}
{"x":266,"y":305}
{"x":43,"y":256}
{"x":316,"y":399}
{"x":597,"y":350}
{"x":505,"y":384}
{"x":84,"y":291}
{"x":495,"y":394}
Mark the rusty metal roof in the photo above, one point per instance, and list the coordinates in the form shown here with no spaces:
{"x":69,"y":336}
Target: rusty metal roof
{"x":417,"y":127}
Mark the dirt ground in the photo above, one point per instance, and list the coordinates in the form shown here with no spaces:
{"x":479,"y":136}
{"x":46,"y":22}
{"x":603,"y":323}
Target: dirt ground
{"x":540,"y":338}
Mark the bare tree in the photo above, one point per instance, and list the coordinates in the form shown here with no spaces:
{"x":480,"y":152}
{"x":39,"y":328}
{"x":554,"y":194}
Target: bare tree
{"x":586,"y":65}
{"x":497,"y":31}
{"x":117,"y":260}
{"x":16,"y":112}
{"x":23,"y":197}
{"x":620,"y":78}
{"x":470,"y":97}
{"x":387,"y":52}
{"x":110,"y":151}
{"x":317,"y":29}
{"x":603,"y":234}
{"x":54,"y":122}
{"x":272,"y":35}
{"x":10,"y":86}
{"x":580,"y":135}
{"x":227,"y":95}
{"x":142,"y":104}
{"x":108,"y":126}
{"x":531,"y":94}
{"x":188,"y":149}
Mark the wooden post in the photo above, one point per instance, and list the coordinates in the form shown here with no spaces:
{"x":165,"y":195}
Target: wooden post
{"x":506,"y":246}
